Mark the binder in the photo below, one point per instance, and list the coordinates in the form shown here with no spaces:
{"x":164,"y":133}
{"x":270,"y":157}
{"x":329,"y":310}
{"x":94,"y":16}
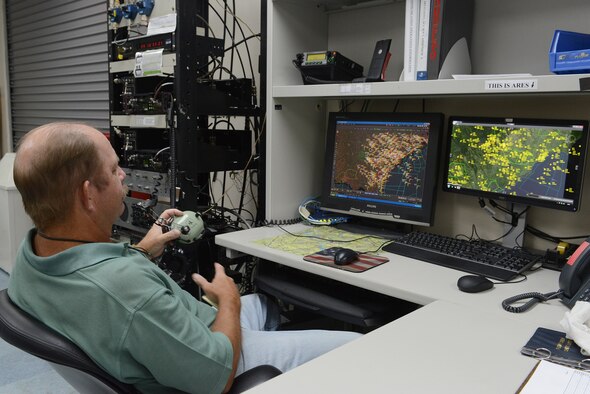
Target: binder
{"x":449,"y":38}
{"x":423,"y":34}
{"x":554,"y":346}
{"x":411,"y":39}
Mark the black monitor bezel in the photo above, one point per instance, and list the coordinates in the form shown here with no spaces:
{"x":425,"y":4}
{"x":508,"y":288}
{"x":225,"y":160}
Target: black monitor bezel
{"x":423,"y":216}
{"x":528,"y":201}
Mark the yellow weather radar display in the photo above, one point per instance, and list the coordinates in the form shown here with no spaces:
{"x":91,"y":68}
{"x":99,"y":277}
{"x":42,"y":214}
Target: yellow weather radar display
{"x":501,"y":159}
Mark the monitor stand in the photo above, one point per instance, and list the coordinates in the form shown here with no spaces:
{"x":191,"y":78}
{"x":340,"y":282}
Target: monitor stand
{"x":512,"y":239}
{"x":373,"y":227}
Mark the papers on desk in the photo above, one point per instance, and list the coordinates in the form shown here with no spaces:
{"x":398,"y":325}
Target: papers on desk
{"x":551,"y":378}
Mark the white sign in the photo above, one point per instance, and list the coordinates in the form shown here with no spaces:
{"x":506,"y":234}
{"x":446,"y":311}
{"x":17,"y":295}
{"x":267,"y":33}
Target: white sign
{"x":161,"y":24}
{"x":511,"y":84}
{"x":148,"y":63}
{"x":355,"y":88}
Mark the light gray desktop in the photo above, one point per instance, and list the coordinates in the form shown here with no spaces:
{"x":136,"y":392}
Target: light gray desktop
{"x":456,"y":343}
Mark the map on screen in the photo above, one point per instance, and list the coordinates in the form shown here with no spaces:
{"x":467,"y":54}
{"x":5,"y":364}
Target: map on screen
{"x":380,"y":163}
{"x":519,"y":161}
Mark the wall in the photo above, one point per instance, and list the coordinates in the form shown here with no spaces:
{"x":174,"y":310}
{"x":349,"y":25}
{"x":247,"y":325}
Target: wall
{"x":5,"y":128}
{"x":510,"y":37}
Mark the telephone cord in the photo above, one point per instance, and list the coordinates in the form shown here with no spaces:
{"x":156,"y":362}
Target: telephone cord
{"x":534,"y":299}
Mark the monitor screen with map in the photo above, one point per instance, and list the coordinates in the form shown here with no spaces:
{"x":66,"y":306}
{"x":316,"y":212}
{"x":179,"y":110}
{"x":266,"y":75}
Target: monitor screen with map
{"x":382,"y":166}
{"x":526,"y":161}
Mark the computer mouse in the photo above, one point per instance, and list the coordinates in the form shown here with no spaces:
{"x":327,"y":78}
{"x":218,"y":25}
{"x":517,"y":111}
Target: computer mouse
{"x":474,"y":283}
{"x":345,"y":256}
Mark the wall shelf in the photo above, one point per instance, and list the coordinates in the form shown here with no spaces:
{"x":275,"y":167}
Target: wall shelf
{"x":509,"y":39}
{"x":553,"y":84}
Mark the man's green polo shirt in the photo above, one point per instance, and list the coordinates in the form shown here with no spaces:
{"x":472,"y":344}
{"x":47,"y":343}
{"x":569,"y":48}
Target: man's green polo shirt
{"x":126,"y":314}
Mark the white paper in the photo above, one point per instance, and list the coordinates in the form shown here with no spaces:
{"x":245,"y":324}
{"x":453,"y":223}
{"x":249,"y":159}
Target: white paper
{"x":511,"y":84}
{"x":161,"y":24}
{"x":355,"y":88}
{"x":148,"y":63}
{"x":490,"y":76}
{"x":551,"y":378}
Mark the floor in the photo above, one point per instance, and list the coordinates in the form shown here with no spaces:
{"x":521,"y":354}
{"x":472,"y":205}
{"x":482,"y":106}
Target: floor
{"x":21,"y":373}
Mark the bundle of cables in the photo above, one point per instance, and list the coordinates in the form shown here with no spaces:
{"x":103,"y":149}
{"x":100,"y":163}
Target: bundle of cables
{"x":310,"y":210}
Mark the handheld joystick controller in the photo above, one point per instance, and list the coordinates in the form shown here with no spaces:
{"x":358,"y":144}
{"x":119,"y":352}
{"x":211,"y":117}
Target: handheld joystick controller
{"x":190,"y":225}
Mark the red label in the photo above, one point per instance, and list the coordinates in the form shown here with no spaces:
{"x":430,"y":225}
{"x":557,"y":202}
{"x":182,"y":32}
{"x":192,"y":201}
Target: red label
{"x":435,"y":21}
{"x":574,"y":257}
{"x":139,"y":195}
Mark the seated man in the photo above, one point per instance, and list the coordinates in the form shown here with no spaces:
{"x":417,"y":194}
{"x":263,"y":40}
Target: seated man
{"x":111,"y":300}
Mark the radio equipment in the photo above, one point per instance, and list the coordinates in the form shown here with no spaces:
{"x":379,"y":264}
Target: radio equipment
{"x":326,"y":67}
{"x":127,"y":49}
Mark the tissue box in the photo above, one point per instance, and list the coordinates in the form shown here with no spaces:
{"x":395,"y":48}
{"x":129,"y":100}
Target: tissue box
{"x":569,"y":53}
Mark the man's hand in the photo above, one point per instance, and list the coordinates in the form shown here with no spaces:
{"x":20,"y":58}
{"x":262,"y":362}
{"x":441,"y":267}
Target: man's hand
{"x":223,"y":291}
{"x":155,"y":240}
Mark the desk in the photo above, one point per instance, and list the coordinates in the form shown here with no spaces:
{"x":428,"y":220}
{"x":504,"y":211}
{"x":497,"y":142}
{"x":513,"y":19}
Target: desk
{"x":462,"y":342}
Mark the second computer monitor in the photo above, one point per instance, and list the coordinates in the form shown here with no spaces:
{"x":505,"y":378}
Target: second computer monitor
{"x":527,"y":161}
{"x":382,"y":166}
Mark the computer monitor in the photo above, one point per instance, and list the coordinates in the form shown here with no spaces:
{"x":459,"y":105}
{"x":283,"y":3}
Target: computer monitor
{"x":538,"y":162}
{"x":382,"y":166}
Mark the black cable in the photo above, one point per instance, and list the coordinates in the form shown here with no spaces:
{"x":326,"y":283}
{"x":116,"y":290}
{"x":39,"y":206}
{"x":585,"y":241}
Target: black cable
{"x":524,"y":278}
{"x":246,"y":42}
{"x":501,"y":221}
{"x":232,"y":37}
{"x":224,"y":31}
{"x":72,"y":240}
{"x":242,"y":41}
{"x":233,"y":32}
{"x":218,"y":121}
{"x":501,"y":236}
{"x":168,"y":103}
{"x":535,"y":298}
{"x":332,"y":240}
{"x":500,"y":207}
{"x":380,"y":247}
{"x":474,"y":231}
{"x":365,"y":106}
{"x":222,"y":209}
{"x":552,"y":238}
{"x":470,"y":237}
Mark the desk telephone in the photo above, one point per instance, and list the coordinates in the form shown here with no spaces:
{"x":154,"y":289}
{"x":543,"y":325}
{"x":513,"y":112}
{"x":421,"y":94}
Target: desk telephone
{"x":574,"y":283}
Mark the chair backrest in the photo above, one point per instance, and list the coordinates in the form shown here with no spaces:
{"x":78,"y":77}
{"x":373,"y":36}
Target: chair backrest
{"x":30,"y":335}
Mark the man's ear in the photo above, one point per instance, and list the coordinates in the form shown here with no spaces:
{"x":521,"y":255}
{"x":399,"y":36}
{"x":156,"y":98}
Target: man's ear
{"x":87,"y":196}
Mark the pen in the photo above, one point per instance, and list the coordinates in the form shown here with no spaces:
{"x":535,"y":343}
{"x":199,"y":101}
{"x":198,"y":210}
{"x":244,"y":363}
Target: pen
{"x":209,"y":301}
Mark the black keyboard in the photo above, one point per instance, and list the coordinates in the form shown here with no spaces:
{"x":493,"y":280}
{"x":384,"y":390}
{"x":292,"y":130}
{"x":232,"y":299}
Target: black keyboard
{"x":477,"y":257}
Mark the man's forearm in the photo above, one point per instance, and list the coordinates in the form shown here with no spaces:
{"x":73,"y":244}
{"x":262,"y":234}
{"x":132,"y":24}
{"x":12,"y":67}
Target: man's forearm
{"x":228,"y":323}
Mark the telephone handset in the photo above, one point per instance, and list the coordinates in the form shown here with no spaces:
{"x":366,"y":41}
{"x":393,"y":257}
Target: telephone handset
{"x":574,"y":283}
{"x":574,"y":280}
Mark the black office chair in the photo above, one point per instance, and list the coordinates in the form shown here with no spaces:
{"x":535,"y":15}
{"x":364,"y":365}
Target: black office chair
{"x":30,"y":335}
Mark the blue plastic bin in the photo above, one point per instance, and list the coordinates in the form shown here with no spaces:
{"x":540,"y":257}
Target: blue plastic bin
{"x":569,"y":53}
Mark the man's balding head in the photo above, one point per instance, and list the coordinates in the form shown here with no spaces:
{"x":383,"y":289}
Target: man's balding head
{"x":52,"y":161}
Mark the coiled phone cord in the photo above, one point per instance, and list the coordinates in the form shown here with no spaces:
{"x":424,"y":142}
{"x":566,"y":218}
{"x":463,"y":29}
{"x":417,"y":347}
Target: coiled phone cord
{"x":534,"y":299}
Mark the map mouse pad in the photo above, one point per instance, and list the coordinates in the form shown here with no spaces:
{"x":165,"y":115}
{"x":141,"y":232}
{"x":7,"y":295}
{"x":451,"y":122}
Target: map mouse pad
{"x":366,"y":260}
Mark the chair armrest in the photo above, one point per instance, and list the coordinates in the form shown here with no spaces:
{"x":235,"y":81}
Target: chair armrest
{"x":253,"y":377}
